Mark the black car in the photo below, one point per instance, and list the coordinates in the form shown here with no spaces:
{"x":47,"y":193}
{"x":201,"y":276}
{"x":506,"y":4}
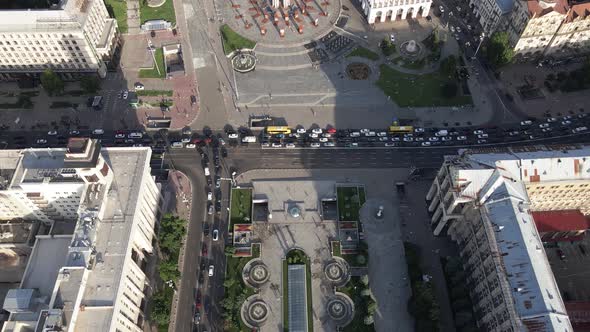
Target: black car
{"x":206,"y":229}
{"x":193,"y":100}
{"x":223,"y":152}
{"x":218,"y":206}
{"x":153,"y":33}
{"x":216,"y":161}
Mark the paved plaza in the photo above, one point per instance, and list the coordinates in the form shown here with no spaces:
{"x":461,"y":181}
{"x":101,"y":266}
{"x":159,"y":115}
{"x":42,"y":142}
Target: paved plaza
{"x":387,"y":268}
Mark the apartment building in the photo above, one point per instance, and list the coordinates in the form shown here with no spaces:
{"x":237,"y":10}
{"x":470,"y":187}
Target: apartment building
{"x":485,"y":201}
{"x":72,"y":38}
{"x":378,"y":11}
{"x":94,"y":279}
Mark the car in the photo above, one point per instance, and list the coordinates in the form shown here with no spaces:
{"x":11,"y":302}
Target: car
{"x":331,"y":130}
{"x":204,"y":250}
{"x":426,"y":143}
{"x":138,"y":86}
{"x":560,"y":254}
{"x":546,"y":130}
{"x":482,"y":141}
{"x":446,"y":139}
{"x":382,"y":134}
{"x":221,"y":141}
{"x":364,"y":130}
{"x":482,"y":136}
{"x":396,"y":139}
{"x":461,"y":138}
{"x":419,"y":139}
{"x":433,"y":139}
{"x":74,"y":132}
{"x":211,"y":270}
{"x":582,"y":116}
{"x":232,"y":135}
{"x":215,"y":235}
{"x":190,"y":146}
{"x":478,"y":132}
{"x":408,"y":139}
{"x":97,"y":132}
{"x":317,"y":130}
{"x":441,"y":8}
{"x":205,"y":228}
{"x":52,"y":132}
{"x":265,"y":144}
{"x":323,"y":139}
{"x":390,"y":144}
{"x":210,"y":209}
{"x":532,"y":137}
{"x":392,"y":38}
{"x":567,"y":117}
{"x":277,"y":145}
{"x":218,"y":206}
{"x":352,"y":145}
{"x":329,"y":144}
{"x":193,"y":100}
{"x":136,"y":134}
{"x":327,"y":135}
{"x":290,"y":145}
{"x":280,"y":136}
{"x":313,"y":135}
{"x":458,"y":8}
{"x":41,"y":141}
{"x":418,"y":130}
{"x":469,"y":27}
{"x":551,"y":120}
{"x":152,"y":33}
{"x":514,"y":133}
{"x":315,"y":145}
{"x":355,"y":134}
{"x":383,"y":139}
{"x":452,"y":29}
{"x":197,"y":318}
{"x":526,"y":123}
{"x":125,"y":94}
{"x":185,"y":139}
{"x":301,"y":130}
{"x":580,"y":129}
{"x":544,"y":125}
{"x":458,"y":29}
{"x":370,"y":134}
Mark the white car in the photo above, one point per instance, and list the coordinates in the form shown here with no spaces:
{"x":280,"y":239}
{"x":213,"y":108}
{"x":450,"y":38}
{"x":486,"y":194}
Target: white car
{"x":469,"y":27}
{"x":514,"y":133}
{"x":383,"y":139}
{"x":551,"y":119}
{"x":323,"y":139}
{"x":418,"y":130}
{"x":478,"y":132}
{"x":209,"y":196}
{"x":481,"y":141}
{"x":408,"y":139}
{"x":566,"y":123}
{"x":390,"y":144}
{"x":277,"y":145}
{"x":211,"y":270}
{"x":215,"y":235}
{"x":395,"y":139}
{"x":135,"y":135}
{"x":317,"y":130}
{"x":74,"y":132}
{"x":526,"y":123}
{"x":426,"y":144}
{"x":458,"y":8}
{"x":370,"y":134}
{"x":382,"y":134}
{"x":98,"y":132}
{"x":265,"y":144}
{"x":580,"y":129}
{"x":482,"y":136}
{"x":458,"y":29}
{"x":301,"y":130}
{"x":392,"y":38}
{"x":355,"y":134}
{"x":364,"y":130}
{"x":41,"y":141}
{"x":232,"y":135}
{"x":441,"y":8}
{"x":125,"y":94}
{"x":452,"y":29}
{"x":139,"y":86}
{"x":191,"y":146}
{"x":329,"y":144}
{"x":52,"y":132}
{"x":433,"y":139}
{"x":446,"y":139}
{"x":461,"y":138}
{"x":290,"y":145}
{"x":315,"y":145}
{"x":313,"y":135}
{"x":546,"y":130}
{"x":544,"y":125}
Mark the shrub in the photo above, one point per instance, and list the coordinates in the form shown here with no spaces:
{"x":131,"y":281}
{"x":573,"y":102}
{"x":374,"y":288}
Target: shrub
{"x":449,"y":90}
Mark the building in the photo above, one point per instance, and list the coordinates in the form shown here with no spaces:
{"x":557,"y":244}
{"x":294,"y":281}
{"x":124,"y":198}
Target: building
{"x":94,"y":278}
{"x":390,"y":10}
{"x":72,"y":38}
{"x":484,"y":200}
{"x":492,"y":14}
{"x":557,"y":226}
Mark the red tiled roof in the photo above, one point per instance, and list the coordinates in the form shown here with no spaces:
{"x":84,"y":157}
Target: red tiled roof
{"x":535,"y":8}
{"x":579,"y":314}
{"x":560,"y":221}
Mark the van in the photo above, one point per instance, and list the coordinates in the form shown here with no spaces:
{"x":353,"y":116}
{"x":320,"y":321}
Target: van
{"x":207,"y":173}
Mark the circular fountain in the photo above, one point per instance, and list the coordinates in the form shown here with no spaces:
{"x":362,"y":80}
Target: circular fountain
{"x":340,"y":308}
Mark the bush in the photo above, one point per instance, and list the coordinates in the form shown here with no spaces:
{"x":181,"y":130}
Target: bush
{"x":387,"y":47}
{"x":449,"y":90}
{"x":449,"y":66}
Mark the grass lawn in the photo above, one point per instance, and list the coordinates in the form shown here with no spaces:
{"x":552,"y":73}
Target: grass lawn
{"x":364,"y":53}
{"x":336,"y":249}
{"x":350,"y":200}
{"x":155,"y":93}
{"x":153,"y":73}
{"x":233,"y":41}
{"x":118,"y":10}
{"x":417,"y":90}
{"x":241,"y":206}
{"x":164,"y":12}
{"x":237,"y":291}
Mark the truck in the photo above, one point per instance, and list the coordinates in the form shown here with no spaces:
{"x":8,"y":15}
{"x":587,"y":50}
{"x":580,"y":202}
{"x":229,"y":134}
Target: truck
{"x":441,"y":133}
{"x":249,"y":139}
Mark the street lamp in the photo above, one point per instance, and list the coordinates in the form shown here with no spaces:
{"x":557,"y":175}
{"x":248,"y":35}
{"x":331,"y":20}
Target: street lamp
{"x":483,"y":35}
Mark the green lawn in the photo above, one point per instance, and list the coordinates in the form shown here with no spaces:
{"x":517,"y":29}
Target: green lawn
{"x":158,"y":93}
{"x":350,"y":200}
{"x":417,"y":90}
{"x":153,"y":73}
{"x":336,"y":249}
{"x":236,"y":293}
{"x":164,"y":12}
{"x":241,"y":207}
{"x":118,"y":10}
{"x":364,"y":53}
{"x":233,"y":41}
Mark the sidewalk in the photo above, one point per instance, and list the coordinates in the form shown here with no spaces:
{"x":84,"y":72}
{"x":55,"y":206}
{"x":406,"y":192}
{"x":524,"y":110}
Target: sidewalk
{"x":180,"y":195}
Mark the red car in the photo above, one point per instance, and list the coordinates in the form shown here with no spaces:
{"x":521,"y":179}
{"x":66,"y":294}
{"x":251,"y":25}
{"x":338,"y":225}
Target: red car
{"x":331,"y":130}
{"x":198,"y":300}
{"x":204,"y":250}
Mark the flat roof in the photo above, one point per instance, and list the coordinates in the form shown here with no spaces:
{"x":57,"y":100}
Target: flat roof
{"x":48,"y":256}
{"x":560,"y":221}
{"x":297,"y":298}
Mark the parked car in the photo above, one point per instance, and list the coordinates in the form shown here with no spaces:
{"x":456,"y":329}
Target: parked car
{"x":317,"y":130}
{"x":98,"y":132}
{"x":526,"y":123}
{"x":193,"y":100}
{"x":315,"y":145}
{"x":52,"y":132}
{"x":138,"y":86}
{"x":215,"y":235}
{"x":41,"y":141}
{"x":211,"y":270}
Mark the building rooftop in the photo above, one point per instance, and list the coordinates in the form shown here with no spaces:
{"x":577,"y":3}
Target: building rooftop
{"x":65,"y":15}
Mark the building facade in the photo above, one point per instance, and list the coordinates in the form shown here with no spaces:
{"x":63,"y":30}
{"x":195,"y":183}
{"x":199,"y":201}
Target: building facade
{"x":485,"y":201}
{"x":95,"y":278}
{"x":378,"y":11}
{"x":72,"y":38}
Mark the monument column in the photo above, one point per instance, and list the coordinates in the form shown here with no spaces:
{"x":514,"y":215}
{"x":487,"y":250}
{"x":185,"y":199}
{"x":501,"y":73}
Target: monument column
{"x":286,"y":3}
{"x":276,"y":3}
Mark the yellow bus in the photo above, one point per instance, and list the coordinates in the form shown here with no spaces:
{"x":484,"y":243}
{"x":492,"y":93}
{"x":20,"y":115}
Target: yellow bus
{"x":401,"y":129}
{"x":278,"y":130}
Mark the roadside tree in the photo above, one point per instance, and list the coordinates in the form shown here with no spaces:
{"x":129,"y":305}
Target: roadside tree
{"x":51,"y":82}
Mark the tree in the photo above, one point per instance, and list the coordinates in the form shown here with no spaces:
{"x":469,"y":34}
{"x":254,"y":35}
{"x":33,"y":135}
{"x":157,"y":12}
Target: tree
{"x":448,"y":66}
{"x":90,"y":84}
{"x":369,"y":320}
{"x":168,"y":271}
{"x":51,"y":82}
{"x":387,"y":47}
{"x":365,"y":279}
{"x":449,"y":90}
{"x":498,"y":49}
{"x":372,"y":307}
{"x":366,"y":292}
{"x":160,"y":308}
{"x":229,"y":251}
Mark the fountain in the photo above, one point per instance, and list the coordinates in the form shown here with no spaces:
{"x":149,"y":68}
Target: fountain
{"x":244,"y":61}
{"x":254,"y":311}
{"x":411,"y":46}
{"x":337,"y":271}
{"x":411,"y":49}
{"x":341,"y":309}
{"x":255,"y":273}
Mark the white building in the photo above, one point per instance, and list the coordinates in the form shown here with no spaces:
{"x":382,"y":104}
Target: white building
{"x":484,"y":201}
{"x":73,"y":37}
{"x":92,"y":280}
{"x":390,"y":10}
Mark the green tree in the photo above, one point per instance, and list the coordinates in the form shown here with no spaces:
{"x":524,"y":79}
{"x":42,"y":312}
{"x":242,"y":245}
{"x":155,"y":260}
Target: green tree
{"x":229,"y":251}
{"x":449,"y":90}
{"x":366,"y":292}
{"x":387,"y":47}
{"x":365,"y":279}
{"x":498,"y":49}
{"x":160,"y":308}
{"x":51,"y":82}
{"x":229,"y":282}
{"x":90,"y":84}
{"x":168,"y":271}
{"x":448,"y":66}
{"x":369,"y":320}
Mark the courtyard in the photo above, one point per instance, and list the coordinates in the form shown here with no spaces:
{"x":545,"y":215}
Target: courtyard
{"x":299,"y":278}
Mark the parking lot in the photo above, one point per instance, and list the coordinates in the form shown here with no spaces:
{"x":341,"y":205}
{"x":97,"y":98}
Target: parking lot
{"x":571,"y":266}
